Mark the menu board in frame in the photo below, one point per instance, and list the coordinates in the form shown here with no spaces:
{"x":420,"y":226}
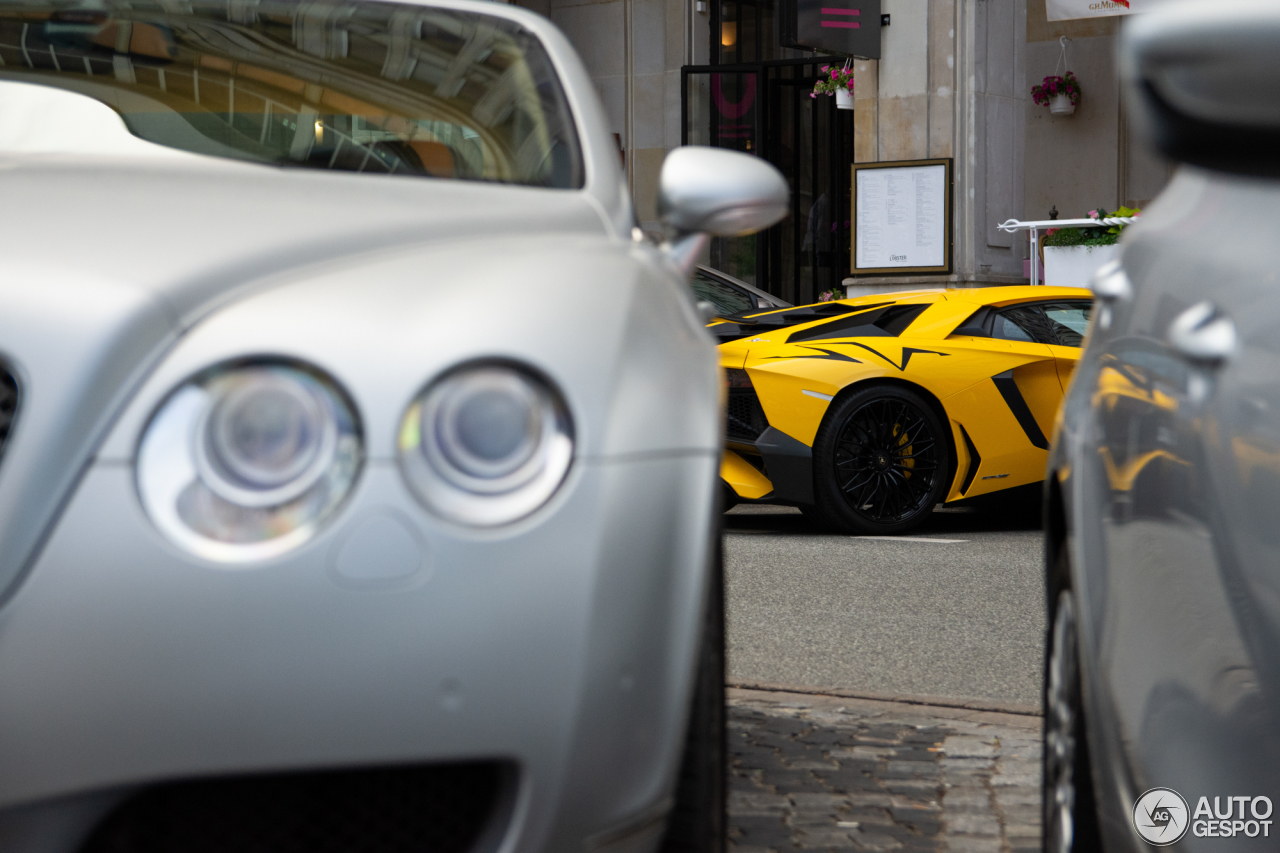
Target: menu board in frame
{"x":901,"y":217}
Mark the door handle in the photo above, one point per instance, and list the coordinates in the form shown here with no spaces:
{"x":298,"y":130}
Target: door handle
{"x":1110,"y":284}
{"x":1203,"y":334}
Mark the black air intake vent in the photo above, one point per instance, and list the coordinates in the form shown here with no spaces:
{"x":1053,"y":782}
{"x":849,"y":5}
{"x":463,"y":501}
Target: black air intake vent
{"x":8,"y":405}
{"x":744,"y":415}
{"x":436,"y":808}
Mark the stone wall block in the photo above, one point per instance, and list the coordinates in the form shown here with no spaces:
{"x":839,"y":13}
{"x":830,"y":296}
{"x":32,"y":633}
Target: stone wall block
{"x":942,"y":74}
{"x":904,"y":128}
{"x":671,"y":110}
{"x":1001,"y":48}
{"x":904,"y":49}
{"x":941,"y":125}
{"x":596,"y":32}
{"x":646,"y":165}
{"x":675,"y":16}
{"x":1000,"y":117}
{"x":866,"y":100}
{"x":613,"y":95}
{"x":649,"y":17}
{"x":648,"y":110}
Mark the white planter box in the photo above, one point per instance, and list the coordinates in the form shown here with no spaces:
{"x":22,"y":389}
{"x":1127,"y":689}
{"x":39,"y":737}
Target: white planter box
{"x":1073,"y":266}
{"x":844,"y":99}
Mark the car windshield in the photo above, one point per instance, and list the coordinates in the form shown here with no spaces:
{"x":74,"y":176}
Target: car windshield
{"x":727,"y":298}
{"x":366,"y":87}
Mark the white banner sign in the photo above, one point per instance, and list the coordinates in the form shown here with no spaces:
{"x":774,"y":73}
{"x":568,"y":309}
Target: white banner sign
{"x":1065,"y":10}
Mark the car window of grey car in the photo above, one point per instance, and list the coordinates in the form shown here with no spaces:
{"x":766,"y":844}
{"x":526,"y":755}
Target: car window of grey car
{"x":727,"y":298}
{"x":380,"y":88}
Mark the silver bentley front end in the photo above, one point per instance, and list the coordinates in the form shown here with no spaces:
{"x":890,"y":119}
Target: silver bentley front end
{"x":395,"y":627}
{"x":358,"y":475}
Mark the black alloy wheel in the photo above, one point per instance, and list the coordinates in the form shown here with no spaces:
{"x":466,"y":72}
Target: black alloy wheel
{"x":1070,"y":815}
{"x":881,"y":461}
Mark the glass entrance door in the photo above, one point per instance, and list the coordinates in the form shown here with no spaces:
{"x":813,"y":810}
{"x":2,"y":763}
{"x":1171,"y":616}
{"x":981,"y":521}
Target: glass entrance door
{"x":764,"y":109}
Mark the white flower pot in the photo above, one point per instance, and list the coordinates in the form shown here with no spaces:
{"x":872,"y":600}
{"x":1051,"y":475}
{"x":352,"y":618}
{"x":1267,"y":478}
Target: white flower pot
{"x":1060,"y":105}
{"x":1073,"y":266}
{"x":844,"y":99}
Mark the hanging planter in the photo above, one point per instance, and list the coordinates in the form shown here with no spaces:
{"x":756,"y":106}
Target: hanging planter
{"x":1061,"y":105}
{"x":838,"y":82}
{"x":1060,"y":94}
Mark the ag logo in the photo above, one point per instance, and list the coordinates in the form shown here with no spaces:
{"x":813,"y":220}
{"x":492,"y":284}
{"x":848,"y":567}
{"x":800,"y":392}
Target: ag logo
{"x":1161,"y":817}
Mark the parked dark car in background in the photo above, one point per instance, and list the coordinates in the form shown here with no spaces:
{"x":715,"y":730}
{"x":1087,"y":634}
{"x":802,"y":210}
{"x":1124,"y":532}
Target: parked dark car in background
{"x":1162,"y":702}
{"x":730,"y":295}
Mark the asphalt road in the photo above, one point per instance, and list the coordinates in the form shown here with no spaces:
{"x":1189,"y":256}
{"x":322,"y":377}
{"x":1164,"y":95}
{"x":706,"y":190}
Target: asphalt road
{"x":953,"y":611}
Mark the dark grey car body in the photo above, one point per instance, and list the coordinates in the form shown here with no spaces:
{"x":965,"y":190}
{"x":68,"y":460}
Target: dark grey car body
{"x":1164,"y":475}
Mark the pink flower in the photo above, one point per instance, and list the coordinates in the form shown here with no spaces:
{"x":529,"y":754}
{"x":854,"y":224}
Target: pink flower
{"x":1093,"y":214}
{"x":813,"y":94}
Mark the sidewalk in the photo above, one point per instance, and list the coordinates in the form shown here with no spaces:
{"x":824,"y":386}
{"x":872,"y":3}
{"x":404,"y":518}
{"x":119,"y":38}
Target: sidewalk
{"x":834,"y":773}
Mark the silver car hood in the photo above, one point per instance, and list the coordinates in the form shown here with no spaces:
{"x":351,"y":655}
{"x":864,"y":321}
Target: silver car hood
{"x":107,"y":263}
{"x":179,"y":230}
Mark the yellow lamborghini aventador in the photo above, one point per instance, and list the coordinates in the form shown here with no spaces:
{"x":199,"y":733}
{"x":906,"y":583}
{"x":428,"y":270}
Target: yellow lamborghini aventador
{"x":867,"y":412}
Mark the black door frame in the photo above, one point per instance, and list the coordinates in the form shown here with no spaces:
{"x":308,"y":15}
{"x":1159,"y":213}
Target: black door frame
{"x":769,"y":263}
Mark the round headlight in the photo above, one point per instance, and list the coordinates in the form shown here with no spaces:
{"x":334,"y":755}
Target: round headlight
{"x":244,"y":462}
{"x":486,"y":445}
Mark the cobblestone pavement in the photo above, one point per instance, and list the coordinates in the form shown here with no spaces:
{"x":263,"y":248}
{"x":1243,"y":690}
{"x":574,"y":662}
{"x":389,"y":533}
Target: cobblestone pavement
{"x":833,"y":773}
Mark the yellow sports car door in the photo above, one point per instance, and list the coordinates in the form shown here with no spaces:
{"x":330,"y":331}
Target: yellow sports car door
{"x":1069,"y":325}
{"x":1005,"y":423}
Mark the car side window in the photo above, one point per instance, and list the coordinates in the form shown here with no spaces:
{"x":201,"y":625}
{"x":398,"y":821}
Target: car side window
{"x":1062,"y":324}
{"x":1008,"y":328}
{"x":1070,"y":321}
{"x":727,"y":298}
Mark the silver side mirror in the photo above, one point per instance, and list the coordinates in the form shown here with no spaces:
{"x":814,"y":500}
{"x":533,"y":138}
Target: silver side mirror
{"x":1205,"y":78}
{"x":706,"y":191}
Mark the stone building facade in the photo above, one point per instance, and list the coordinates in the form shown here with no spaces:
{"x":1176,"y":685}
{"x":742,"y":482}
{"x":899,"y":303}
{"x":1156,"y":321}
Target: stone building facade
{"x":953,"y":81}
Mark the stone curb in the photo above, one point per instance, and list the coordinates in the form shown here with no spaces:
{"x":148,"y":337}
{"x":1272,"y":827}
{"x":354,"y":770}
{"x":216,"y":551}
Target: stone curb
{"x":900,"y":698}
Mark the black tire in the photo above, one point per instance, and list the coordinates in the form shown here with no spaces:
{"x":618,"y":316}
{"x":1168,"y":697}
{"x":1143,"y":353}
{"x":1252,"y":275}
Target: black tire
{"x":1070,"y":814}
{"x":816,"y":518}
{"x":881,"y":461}
{"x":699,"y":821}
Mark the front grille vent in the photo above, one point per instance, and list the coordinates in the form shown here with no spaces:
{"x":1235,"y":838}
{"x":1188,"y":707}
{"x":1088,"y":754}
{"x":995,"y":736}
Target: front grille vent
{"x":8,"y":405}
{"x":437,"y":808}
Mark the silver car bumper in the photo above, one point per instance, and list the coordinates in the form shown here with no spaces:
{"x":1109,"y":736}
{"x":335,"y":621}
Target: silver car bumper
{"x":564,"y":645}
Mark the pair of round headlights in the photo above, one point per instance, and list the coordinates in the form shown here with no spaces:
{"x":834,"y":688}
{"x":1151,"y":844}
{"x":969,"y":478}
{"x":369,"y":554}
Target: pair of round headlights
{"x":247,"y":461}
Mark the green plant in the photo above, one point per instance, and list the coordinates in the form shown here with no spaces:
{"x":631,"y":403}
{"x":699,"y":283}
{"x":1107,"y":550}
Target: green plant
{"x":1053,"y":85}
{"x":1102,"y":235}
{"x":837,"y":78}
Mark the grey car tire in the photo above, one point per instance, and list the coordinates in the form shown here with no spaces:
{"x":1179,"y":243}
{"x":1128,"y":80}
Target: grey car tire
{"x":1070,"y":816}
{"x":698,"y":822}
